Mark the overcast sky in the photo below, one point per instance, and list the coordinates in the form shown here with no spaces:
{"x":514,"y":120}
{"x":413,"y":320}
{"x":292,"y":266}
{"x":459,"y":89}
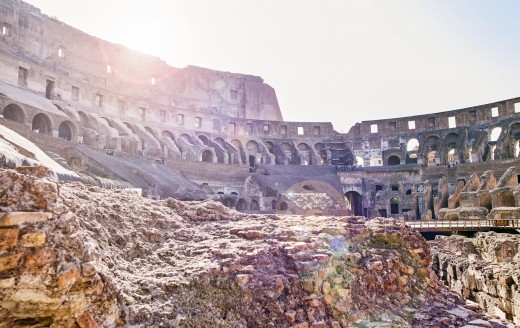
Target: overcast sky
{"x":342,"y":61}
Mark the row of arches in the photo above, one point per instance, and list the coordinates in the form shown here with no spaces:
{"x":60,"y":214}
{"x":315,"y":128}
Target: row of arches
{"x":41,"y":122}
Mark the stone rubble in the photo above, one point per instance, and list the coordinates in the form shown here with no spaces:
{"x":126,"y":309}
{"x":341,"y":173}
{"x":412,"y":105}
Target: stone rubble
{"x":484,"y":269}
{"x":78,"y":256}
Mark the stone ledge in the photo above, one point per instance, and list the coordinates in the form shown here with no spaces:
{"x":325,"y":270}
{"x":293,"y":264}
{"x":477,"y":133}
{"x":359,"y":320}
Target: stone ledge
{"x":18,"y":218}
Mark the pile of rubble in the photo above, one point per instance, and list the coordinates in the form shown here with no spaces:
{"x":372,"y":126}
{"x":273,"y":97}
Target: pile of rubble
{"x":485,"y":269}
{"x":72,"y":255}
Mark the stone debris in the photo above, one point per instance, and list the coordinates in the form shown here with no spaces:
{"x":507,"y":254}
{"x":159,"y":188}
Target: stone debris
{"x":484,"y":269}
{"x":114,"y":259}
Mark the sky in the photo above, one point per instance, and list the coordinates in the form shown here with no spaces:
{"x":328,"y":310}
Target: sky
{"x":339,"y":61}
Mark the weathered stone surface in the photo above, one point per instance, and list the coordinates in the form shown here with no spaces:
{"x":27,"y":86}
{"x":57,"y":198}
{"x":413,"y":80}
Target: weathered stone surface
{"x":19,"y":218}
{"x":9,"y":262}
{"x":19,"y":192}
{"x":8,"y":238}
{"x":484,"y":269}
{"x":35,"y":239}
{"x":171,"y":263}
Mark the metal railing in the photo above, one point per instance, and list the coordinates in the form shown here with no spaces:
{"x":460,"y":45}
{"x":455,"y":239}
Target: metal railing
{"x":484,"y":224}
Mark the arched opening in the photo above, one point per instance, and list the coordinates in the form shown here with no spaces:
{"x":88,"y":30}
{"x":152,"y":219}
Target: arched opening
{"x":270,"y":147}
{"x":284,"y":206}
{"x":412,"y":145}
{"x":65,"y":130}
{"x":360,"y":161}
{"x":14,"y":112}
{"x":394,"y":160}
{"x":207,"y":156}
{"x":228,"y":203}
{"x":241,"y":205}
{"x":408,"y":192}
{"x":130,"y":126}
{"x":451,"y":159}
{"x":485,"y":201}
{"x":354,"y":203}
{"x":150,"y":130}
{"x":273,"y":205}
{"x":42,"y":124}
{"x":204,"y":139}
{"x":84,"y":119}
{"x":234,"y":193}
{"x":412,"y":148}
{"x":254,"y":206}
{"x":168,"y":134}
{"x":186,"y":138}
{"x":236,"y":143}
{"x":252,"y":147}
{"x":221,"y":142}
{"x":494,"y":133}
{"x":303,"y":147}
{"x":308,"y":187}
{"x":506,"y":199}
{"x":394,"y":205}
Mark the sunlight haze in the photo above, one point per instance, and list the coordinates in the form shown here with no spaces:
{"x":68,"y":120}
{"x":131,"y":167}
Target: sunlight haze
{"x":339,"y":60}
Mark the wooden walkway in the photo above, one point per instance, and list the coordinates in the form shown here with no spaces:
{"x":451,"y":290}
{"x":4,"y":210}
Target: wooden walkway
{"x":464,"y":225}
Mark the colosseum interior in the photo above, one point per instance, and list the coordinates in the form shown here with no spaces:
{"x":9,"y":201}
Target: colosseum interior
{"x":116,"y":115}
{"x":115,"y":118}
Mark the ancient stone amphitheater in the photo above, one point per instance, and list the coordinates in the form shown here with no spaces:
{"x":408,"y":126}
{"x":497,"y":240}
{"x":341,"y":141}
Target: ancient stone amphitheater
{"x":111,"y":117}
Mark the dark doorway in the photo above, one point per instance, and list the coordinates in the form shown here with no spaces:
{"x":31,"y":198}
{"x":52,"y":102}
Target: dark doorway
{"x":49,"y":89}
{"x":64,"y":131}
{"x":394,"y":206}
{"x":355,"y":203}
{"x":252,"y":161}
{"x":394,"y":160}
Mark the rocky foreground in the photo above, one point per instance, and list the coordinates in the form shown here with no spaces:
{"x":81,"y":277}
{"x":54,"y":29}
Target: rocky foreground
{"x":79,"y":256}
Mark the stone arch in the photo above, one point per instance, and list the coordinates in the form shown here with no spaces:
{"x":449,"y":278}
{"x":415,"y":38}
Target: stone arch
{"x":412,"y":145}
{"x":236,"y":143}
{"x":186,"y":138}
{"x":494,"y":133}
{"x":207,"y":156}
{"x":303,"y":147}
{"x":270,"y":146}
{"x":451,"y":140}
{"x":241,"y":205}
{"x":67,"y":131}
{"x":394,"y":205}
{"x":354,"y":203}
{"x":254,"y":206}
{"x":412,"y":149}
{"x":14,"y":112}
{"x":131,"y":127}
{"x":282,"y":206}
{"x":394,"y":160}
{"x":42,"y":123}
{"x":221,"y":142}
{"x":84,"y":119}
{"x":204,"y":139}
{"x":252,"y":147}
{"x":168,"y":134}
{"x":151,"y":131}
{"x":506,"y":199}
